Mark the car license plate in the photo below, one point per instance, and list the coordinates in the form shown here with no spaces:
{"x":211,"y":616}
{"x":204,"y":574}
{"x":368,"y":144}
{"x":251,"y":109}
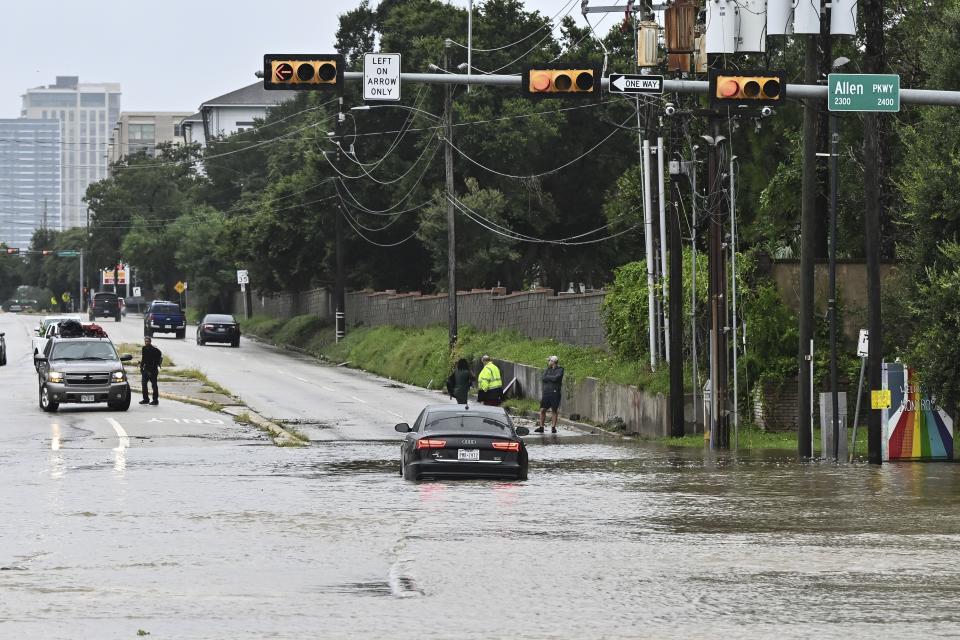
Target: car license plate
{"x":468,"y":454}
{"x":87,"y":398}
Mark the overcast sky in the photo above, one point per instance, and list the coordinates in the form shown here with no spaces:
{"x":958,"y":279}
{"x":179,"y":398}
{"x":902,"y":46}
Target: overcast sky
{"x":171,"y":55}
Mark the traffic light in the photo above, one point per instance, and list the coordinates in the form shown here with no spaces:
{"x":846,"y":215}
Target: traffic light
{"x":746,"y":89}
{"x":12,"y":251}
{"x":303,"y":72}
{"x":561,"y":80}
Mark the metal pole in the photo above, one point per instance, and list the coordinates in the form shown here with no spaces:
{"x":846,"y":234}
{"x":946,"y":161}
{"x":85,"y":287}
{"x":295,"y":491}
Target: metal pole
{"x":856,"y":414}
{"x":469,"y":41}
{"x":811,"y":397}
{"x":720,"y":435}
{"x":648,"y":237}
{"x":662,"y":202}
{"x":451,"y":229}
{"x":832,"y":299}
{"x":693,"y":280}
{"x":81,"y":298}
{"x":733,"y":296}
{"x":675,"y":350}
{"x":340,"y":277}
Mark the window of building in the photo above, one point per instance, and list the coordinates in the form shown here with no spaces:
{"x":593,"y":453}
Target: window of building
{"x":146,"y":132}
{"x":177,"y":132}
{"x":52,"y":99}
{"x":92,"y":100}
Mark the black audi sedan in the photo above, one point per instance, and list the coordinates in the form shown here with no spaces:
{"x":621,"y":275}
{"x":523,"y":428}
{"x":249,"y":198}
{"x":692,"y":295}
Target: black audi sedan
{"x":217,"y":327}
{"x":463,"y":441}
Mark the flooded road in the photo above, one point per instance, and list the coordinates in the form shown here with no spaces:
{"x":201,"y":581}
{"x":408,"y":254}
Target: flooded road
{"x":606,"y":540}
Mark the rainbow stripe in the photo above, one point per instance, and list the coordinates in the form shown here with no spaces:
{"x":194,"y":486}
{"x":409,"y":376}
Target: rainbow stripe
{"x":920,"y":431}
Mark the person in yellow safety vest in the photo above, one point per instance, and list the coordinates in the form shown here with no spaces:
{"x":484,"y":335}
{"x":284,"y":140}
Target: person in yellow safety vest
{"x":490,"y":383}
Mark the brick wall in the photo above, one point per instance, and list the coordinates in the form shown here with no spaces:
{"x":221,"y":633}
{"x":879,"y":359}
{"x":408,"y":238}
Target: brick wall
{"x":287,"y":305}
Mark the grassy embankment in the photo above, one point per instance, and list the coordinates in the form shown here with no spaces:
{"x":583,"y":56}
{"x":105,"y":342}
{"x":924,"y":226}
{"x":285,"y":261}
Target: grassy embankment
{"x":419,"y":357}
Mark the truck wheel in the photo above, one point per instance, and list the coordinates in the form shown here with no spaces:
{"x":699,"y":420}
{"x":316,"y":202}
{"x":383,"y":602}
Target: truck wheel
{"x":181,"y":334}
{"x":235,"y":343}
{"x":46,"y":402}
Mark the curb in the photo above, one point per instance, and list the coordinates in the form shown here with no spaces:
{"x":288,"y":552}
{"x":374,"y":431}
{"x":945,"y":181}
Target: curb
{"x":587,"y":429}
{"x":281,"y":437}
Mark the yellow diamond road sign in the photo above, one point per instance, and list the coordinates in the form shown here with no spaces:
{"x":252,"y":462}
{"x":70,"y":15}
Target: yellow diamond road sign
{"x":180,"y":287}
{"x":880,"y":399}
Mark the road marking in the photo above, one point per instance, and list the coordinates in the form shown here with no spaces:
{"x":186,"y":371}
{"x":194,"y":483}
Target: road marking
{"x":326,"y":388}
{"x":395,"y":413}
{"x":121,"y":434}
{"x":358,"y":399}
{"x":301,"y":379}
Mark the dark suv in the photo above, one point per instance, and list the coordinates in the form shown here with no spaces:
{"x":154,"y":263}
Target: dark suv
{"x":164,"y":317}
{"x":104,"y":304}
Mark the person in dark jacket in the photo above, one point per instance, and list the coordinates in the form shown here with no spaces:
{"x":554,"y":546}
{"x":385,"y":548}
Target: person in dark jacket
{"x":550,"y":399}
{"x":150,"y":360}
{"x":460,"y":381}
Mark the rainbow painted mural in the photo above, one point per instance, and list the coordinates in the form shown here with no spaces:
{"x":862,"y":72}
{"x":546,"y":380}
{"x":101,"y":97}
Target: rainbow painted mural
{"x":914,"y":428}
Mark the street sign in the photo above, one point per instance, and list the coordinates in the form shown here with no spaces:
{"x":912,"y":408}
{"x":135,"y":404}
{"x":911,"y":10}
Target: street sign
{"x":880,"y":399}
{"x":243,"y":276}
{"x":863,"y":343}
{"x":179,"y":287}
{"x":635,"y":83}
{"x":68,"y":253}
{"x":381,"y":76}
{"x":136,"y":292}
{"x":863,"y":92}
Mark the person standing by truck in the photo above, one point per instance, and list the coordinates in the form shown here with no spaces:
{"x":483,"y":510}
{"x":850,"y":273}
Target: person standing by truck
{"x":150,"y":360}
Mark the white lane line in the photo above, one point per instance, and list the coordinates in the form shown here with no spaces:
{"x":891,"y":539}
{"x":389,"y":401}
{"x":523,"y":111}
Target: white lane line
{"x":301,"y":379}
{"x":395,"y":413}
{"x":359,"y":399}
{"x":326,"y":388}
{"x":121,"y":434}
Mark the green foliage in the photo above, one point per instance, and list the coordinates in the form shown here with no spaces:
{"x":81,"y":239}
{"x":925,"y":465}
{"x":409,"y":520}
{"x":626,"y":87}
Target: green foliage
{"x":299,"y":330}
{"x":773,"y":335}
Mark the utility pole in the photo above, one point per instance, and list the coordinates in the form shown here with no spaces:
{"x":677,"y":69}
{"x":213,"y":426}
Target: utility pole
{"x":675,"y":301}
{"x":338,"y":286}
{"x":808,"y":242}
{"x":719,"y":417}
{"x":451,"y":229}
{"x":873,"y":63}
{"x":832,"y":300}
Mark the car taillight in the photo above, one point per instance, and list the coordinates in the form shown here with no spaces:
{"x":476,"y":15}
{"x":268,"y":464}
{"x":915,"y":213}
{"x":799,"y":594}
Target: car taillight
{"x":431,"y":444}
{"x":507,"y":446}
{"x":208,"y":326}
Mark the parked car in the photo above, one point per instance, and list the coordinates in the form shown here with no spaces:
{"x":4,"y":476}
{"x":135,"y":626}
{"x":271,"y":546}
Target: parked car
{"x":163,"y":316}
{"x":474,"y":441}
{"x":104,"y":304}
{"x":84,"y":371}
{"x":3,"y":349}
{"x":134,"y":304}
{"x":217,"y":327}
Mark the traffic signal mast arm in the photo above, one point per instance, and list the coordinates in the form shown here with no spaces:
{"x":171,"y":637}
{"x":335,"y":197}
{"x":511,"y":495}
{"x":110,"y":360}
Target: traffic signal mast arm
{"x":793,"y":91}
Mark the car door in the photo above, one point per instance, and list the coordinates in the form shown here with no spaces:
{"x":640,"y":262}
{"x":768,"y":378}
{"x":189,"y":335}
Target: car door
{"x":406,"y":448}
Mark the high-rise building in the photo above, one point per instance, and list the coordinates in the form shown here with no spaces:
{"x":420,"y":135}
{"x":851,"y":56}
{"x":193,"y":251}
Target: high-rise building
{"x":137,"y":131}
{"x":29,"y":179}
{"x":87,"y":113}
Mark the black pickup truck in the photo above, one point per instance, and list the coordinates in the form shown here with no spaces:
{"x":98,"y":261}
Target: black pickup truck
{"x":163,"y":316}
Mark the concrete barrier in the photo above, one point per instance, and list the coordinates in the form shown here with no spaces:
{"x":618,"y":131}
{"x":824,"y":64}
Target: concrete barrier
{"x":645,"y":414}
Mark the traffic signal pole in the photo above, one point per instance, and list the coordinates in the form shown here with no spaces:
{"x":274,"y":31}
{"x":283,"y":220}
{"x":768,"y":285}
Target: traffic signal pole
{"x":808,"y":210}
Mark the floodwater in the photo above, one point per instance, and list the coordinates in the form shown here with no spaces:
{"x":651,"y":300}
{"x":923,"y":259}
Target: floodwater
{"x":606,"y":540}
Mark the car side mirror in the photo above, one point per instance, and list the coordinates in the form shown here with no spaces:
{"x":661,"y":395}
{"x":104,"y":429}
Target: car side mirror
{"x":522,"y":431}
{"x":126,"y":357}
{"x":37,"y":331}
{"x":403,"y":427}
{"x":40,"y":358}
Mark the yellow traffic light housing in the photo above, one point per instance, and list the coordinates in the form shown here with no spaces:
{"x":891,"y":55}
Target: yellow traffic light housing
{"x":303,"y":72}
{"x":746,"y":89}
{"x":561,"y":80}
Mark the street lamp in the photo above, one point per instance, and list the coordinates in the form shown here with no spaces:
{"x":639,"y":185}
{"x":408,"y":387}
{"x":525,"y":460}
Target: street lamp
{"x":832,"y":299}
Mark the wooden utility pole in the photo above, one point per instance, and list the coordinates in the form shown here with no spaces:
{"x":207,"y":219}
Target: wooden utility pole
{"x":873,"y":184}
{"x":451,"y":220}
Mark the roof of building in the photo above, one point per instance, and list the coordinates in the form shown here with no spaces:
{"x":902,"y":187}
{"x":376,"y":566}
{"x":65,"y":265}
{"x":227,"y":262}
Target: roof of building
{"x":252,"y":95}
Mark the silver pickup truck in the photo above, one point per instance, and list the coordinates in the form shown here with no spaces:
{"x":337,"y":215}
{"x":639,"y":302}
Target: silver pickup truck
{"x":83,"y":371}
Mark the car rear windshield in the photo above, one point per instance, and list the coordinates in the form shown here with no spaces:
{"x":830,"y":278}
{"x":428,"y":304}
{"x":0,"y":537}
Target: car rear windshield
{"x":219,"y":318}
{"x":83,"y":350}
{"x":165,"y":308}
{"x":105,"y":296}
{"x":472,"y":422}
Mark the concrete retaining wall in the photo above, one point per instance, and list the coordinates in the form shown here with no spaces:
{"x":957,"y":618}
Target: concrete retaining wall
{"x":645,"y":414}
{"x":284,"y":306}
